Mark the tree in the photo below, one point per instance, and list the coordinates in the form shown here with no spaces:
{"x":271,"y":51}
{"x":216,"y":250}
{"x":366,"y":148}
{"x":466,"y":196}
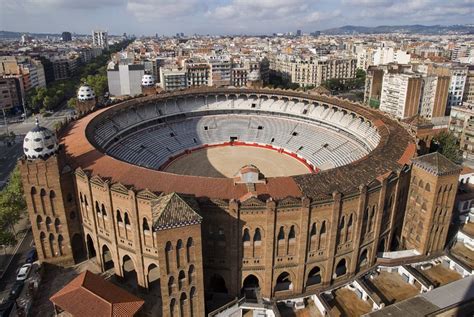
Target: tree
{"x":71,"y":103}
{"x":446,"y":144}
{"x":12,"y":207}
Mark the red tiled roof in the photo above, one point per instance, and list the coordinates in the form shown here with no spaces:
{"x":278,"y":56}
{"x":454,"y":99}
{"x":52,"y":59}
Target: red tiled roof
{"x":90,"y":295}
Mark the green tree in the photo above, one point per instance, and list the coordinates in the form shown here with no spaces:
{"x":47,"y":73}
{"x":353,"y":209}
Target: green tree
{"x":71,"y":103}
{"x":12,"y":207}
{"x":447,"y":145}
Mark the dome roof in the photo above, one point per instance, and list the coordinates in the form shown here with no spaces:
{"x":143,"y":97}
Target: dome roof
{"x":148,"y":80}
{"x":85,"y":92}
{"x":40,"y":142}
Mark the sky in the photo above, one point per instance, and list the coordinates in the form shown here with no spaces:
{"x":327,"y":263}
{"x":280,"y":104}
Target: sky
{"x":221,"y":17}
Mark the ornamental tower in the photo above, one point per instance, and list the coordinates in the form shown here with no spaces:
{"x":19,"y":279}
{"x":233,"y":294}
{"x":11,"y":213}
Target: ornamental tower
{"x":49,"y":190}
{"x":433,"y":186}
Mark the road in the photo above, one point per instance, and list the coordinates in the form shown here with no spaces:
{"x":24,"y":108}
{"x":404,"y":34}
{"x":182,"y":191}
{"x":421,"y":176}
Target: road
{"x":18,"y":259}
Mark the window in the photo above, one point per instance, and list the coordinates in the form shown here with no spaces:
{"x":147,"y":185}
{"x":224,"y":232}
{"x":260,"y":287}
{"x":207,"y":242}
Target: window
{"x":246,"y":236}
{"x":257,"y":236}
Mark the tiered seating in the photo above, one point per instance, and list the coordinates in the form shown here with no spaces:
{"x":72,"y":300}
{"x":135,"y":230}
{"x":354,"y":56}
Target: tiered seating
{"x":335,"y":138}
{"x":318,"y":145}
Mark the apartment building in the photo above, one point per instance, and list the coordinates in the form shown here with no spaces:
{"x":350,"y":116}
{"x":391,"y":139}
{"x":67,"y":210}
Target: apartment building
{"x":100,"y":39}
{"x":456,"y":87}
{"x":461,"y":124}
{"x":221,"y":69}
{"x":125,"y":79}
{"x":11,"y":91}
{"x":173,"y":78}
{"x":401,"y":94}
{"x":434,"y":96}
{"x":198,"y":74}
{"x":468,"y":95}
{"x":313,"y":71}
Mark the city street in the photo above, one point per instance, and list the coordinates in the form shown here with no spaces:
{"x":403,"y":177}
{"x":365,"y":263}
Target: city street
{"x":9,"y":277}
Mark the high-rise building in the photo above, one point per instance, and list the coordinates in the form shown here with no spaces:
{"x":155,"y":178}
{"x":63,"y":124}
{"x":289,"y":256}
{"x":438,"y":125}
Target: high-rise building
{"x":461,"y":125}
{"x":401,"y":94}
{"x":66,"y":36}
{"x":434,"y":96}
{"x":125,"y":79}
{"x":100,"y":39}
{"x":468,"y":95}
{"x":298,"y":32}
{"x":456,"y":87}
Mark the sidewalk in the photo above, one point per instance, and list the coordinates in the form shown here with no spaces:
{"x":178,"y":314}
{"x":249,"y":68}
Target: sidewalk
{"x":6,"y":254}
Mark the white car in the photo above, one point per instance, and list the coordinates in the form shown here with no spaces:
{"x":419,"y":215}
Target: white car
{"x":24,"y":272}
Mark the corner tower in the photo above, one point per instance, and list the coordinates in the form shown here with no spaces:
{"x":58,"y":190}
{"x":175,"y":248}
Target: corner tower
{"x":49,"y":190}
{"x":433,"y":186}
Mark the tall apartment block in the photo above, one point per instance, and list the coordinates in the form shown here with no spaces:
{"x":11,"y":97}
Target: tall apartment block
{"x":461,"y":125}
{"x":125,"y":79}
{"x":468,"y":95}
{"x":401,"y":94}
{"x":100,"y":39}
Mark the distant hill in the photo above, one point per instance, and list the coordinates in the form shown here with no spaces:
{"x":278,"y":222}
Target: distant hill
{"x":407,"y":29}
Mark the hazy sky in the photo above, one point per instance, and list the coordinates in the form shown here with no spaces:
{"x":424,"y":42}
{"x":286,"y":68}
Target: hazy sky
{"x":223,"y":16}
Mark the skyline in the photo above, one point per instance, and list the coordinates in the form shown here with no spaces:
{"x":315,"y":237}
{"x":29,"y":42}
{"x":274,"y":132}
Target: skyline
{"x":221,"y":17}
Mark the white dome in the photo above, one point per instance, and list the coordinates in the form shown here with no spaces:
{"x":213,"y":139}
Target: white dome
{"x":254,"y":75}
{"x":85,"y":93}
{"x":39,"y":143}
{"x":148,"y":80}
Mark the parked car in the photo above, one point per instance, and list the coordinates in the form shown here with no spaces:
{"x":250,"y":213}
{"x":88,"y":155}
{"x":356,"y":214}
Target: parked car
{"x":31,"y":256}
{"x":23,"y":272}
{"x":16,"y":290}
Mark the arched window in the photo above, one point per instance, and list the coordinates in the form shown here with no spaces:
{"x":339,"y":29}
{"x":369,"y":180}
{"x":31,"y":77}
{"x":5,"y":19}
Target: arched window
{"x":314,"y":276}
{"x":292,"y":234}
{"x":39,"y":221}
{"x":257,"y":236}
{"x":281,"y":234}
{"x":126,"y":219}
{"x":172,"y":307}
{"x":97,"y":209}
{"x":349,"y":224}
{"x":48,"y":223}
{"x":313,"y":230}
{"x":57,"y":225}
{"x":104,"y":212}
{"x":427,"y":187}
{"x":60,"y":244}
{"x":191,"y":273}
{"x":246,"y":236}
{"x":81,"y":198}
{"x":145,"y":225}
{"x":119,"y":216}
{"x":181,"y":279}
{"x":190,"y":249}
{"x":182,"y":304}
{"x":170,"y":285}
{"x":51,"y":244}
{"x":341,"y":268}
{"x":342,"y":223}
{"x":323,"y":228}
